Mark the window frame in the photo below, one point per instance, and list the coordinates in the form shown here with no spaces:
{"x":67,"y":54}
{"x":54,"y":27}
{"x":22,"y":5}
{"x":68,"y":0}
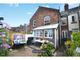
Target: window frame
{"x":34,"y":23}
{"x":73,"y":19}
{"x":49,"y":33}
{"x":64,"y":34}
{"x":47,"y":20}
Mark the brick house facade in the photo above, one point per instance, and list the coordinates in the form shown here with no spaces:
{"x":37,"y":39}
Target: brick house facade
{"x":68,"y":21}
{"x":41,"y":13}
{"x":44,"y":25}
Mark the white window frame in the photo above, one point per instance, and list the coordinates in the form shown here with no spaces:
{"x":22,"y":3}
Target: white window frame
{"x":74,"y":18}
{"x":64,"y":31}
{"x":37,"y":33}
{"x":47,"y":19}
{"x":48,"y":32}
{"x":34,"y":23}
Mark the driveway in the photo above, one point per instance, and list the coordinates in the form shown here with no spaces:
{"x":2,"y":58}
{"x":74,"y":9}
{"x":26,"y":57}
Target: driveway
{"x":24,"y":51}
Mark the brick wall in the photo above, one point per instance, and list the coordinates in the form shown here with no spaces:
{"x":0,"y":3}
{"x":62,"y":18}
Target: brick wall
{"x":41,"y":13}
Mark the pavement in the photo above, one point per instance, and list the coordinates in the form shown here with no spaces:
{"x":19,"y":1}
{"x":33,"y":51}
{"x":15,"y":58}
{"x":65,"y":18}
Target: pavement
{"x":59,"y":52}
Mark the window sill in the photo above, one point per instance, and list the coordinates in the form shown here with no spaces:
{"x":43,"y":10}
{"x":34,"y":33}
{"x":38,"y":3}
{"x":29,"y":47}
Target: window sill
{"x":49,"y":37}
{"x":73,"y":22}
{"x":63,"y":24}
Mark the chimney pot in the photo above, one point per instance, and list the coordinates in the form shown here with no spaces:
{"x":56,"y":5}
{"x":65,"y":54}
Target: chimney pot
{"x":66,"y":7}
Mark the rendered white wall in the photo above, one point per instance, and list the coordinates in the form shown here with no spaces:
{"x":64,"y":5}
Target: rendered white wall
{"x":73,"y":25}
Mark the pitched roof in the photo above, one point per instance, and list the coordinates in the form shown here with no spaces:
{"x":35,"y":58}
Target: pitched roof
{"x":74,"y":9}
{"x":49,"y":8}
{"x":71,"y":10}
{"x":47,"y":27}
{"x":40,"y":7}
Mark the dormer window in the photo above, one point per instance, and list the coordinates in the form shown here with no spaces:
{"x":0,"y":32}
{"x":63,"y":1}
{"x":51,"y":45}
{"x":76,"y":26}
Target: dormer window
{"x":34,"y":23}
{"x":47,"y":20}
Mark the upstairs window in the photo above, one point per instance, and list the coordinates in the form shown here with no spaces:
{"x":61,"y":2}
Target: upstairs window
{"x":73,"y":19}
{"x":34,"y":23}
{"x":47,"y":20}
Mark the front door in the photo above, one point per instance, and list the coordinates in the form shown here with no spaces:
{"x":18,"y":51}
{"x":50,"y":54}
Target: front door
{"x":64,"y":34}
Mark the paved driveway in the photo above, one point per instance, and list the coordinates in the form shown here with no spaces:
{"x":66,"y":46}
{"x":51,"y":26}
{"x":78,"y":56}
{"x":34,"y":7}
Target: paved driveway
{"x":24,"y":51}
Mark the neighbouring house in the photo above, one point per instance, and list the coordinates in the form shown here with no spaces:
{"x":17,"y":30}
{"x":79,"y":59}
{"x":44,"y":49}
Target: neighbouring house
{"x":28,"y":29}
{"x":64,"y":23}
{"x":19,"y":29}
{"x":50,"y":25}
{"x":72,"y":21}
{"x":44,"y":25}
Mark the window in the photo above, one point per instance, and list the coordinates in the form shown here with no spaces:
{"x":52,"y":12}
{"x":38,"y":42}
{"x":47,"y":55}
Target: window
{"x":34,"y":32}
{"x":73,"y":20}
{"x":64,"y":34}
{"x":75,"y":30}
{"x":49,"y":33}
{"x":47,"y":20}
{"x":38,"y":33}
{"x":46,"y":33}
{"x":34,"y":23}
{"x":41,"y":33}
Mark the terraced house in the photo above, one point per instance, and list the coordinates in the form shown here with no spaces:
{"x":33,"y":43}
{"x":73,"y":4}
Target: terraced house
{"x":70,"y":20}
{"x":50,"y":25}
{"x":44,"y":25}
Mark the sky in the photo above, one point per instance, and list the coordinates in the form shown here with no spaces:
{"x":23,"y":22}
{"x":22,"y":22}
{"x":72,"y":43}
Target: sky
{"x":16,"y":14}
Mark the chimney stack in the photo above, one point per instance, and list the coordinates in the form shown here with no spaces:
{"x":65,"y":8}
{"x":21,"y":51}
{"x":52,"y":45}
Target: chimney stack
{"x":66,"y":7}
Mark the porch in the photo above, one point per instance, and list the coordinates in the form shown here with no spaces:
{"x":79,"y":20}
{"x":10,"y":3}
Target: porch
{"x":48,"y":33}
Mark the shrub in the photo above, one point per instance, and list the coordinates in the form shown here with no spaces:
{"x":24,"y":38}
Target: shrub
{"x":73,"y":45}
{"x":4,"y":52}
{"x":69,"y":52}
{"x":76,"y":38}
{"x":77,"y":54}
{"x":48,"y":48}
{"x":0,"y":41}
{"x":4,"y":43}
{"x":68,"y":43}
{"x":29,"y":33}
